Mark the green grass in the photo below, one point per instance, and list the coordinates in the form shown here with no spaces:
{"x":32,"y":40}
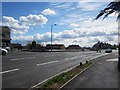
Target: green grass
{"x":60,"y":79}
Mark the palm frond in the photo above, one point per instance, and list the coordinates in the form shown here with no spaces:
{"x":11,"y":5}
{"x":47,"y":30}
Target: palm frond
{"x":111,"y":8}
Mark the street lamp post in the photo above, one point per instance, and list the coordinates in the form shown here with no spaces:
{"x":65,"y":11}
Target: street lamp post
{"x":51,"y":34}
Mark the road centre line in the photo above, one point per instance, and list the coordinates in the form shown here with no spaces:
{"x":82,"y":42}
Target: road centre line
{"x":115,"y":59}
{"x":22,"y":58}
{"x":66,"y":59}
{"x":17,"y":59}
{"x":46,"y":63}
{"x":72,"y":58}
{"x":84,"y":57}
{"x":9,"y":71}
{"x":30,"y":57}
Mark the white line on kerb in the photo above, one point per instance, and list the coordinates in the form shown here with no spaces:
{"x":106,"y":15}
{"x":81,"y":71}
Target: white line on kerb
{"x":9,"y":71}
{"x":47,"y":63}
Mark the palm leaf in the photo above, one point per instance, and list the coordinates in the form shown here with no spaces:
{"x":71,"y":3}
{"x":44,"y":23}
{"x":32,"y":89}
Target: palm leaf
{"x":111,"y":8}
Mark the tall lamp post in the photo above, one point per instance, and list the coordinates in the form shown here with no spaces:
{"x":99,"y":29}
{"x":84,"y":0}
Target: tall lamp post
{"x":118,"y":46}
{"x":51,"y":34}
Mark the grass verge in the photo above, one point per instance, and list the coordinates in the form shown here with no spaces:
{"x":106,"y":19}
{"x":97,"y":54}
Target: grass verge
{"x":59,"y":80}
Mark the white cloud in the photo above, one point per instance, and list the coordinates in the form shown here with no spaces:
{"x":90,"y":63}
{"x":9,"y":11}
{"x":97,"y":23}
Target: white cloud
{"x":62,"y":5}
{"x":88,"y":6}
{"x":22,"y":25}
{"x":73,"y":25}
{"x":14,"y":25}
{"x":9,"y":21}
{"x":32,"y":20}
{"x":22,"y":38}
{"x":81,"y":36}
{"x":84,"y":32}
{"x":48,"y":12}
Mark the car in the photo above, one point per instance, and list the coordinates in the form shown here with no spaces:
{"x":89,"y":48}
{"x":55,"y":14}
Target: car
{"x":108,"y":51}
{"x":3,"y":51}
{"x":7,"y":48}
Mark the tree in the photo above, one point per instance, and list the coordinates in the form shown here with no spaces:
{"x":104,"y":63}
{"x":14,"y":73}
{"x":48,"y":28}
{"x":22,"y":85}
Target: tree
{"x":112,"y":7}
{"x":33,"y":45}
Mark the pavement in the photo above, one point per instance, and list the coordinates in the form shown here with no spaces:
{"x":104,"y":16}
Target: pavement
{"x":103,"y":74}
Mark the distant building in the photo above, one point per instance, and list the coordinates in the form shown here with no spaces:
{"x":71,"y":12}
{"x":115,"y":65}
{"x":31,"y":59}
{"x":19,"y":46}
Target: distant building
{"x":55,"y":46}
{"x":73,"y":47}
{"x":5,"y":36}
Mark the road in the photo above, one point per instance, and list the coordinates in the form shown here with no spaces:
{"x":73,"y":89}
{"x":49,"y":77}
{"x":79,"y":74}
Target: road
{"x":25,"y":69}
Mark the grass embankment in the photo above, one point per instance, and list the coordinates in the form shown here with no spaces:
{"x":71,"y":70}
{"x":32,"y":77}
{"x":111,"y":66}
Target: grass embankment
{"x":59,"y":80}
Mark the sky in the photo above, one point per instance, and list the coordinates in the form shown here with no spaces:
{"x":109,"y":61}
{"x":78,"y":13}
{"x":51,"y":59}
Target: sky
{"x":30,"y":21}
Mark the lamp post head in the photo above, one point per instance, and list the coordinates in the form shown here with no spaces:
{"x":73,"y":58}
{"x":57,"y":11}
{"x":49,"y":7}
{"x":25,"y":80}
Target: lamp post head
{"x":55,"y":24}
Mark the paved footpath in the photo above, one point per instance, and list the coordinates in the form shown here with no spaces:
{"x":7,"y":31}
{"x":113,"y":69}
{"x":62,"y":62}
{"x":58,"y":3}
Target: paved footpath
{"x":103,"y":74}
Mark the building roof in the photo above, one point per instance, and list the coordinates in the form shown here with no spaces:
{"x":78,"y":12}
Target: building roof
{"x":73,"y":47}
{"x":55,"y":45}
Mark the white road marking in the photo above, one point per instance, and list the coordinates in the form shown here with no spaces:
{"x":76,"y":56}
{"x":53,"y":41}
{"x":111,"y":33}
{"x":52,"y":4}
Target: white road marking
{"x":22,"y":58}
{"x":47,"y":63}
{"x":76,"y":57}
{"x":116,"y":54}
{"x":49,"y":56}
{"x":115,"y":59}
{"x":66,"y":59}
{"x":9,"y":71}
{"x":17,"y":59}
{"x":72,"y":58}
{"x":30,"y":57}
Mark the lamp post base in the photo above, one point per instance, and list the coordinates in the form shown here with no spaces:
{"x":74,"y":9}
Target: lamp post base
{"x":119,"y":57}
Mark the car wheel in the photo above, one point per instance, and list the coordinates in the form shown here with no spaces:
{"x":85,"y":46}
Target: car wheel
{"x":3,"y":53}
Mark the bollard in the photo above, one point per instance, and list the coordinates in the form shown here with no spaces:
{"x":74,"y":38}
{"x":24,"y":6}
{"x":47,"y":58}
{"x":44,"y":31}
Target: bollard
{"x":80,"y":63}
{"x":86,"y":62}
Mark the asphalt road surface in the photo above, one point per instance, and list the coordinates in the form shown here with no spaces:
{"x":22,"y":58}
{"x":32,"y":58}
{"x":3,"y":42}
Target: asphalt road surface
{"x":22,"y":69}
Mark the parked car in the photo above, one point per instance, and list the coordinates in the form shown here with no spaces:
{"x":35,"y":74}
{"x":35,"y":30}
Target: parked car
{"x":108,"y":51}
{"x":3,"y":51}
{"x":7,"y":48}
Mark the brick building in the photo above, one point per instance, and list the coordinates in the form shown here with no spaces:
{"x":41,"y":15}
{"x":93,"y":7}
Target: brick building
{"x":5,"y":36}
